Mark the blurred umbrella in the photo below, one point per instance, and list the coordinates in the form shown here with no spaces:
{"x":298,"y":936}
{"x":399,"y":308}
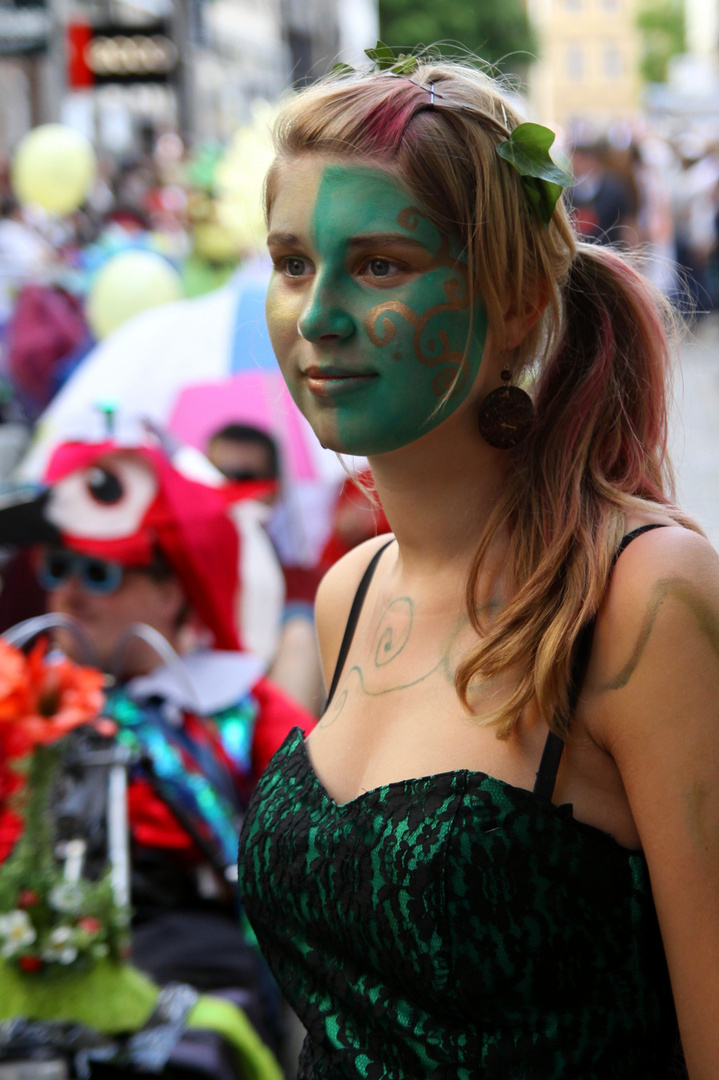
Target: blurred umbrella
{"x":143,"y":367}
{"x":257,"y":398}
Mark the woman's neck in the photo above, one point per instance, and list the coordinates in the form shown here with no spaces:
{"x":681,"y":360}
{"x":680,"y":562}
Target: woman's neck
{"x":438,"y":494}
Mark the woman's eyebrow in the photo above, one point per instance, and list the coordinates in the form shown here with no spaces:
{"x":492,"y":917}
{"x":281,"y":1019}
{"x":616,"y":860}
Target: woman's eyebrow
{"x":370,"y":239}
{"x":363,"y":240}
{"x":282,"y":239}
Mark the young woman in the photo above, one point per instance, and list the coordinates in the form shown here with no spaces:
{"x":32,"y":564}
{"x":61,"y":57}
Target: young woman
{"x":435,"y":902}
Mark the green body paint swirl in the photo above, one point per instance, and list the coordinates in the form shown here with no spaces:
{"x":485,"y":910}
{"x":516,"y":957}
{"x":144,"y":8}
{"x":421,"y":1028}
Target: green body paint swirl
{"x":675,"y":588}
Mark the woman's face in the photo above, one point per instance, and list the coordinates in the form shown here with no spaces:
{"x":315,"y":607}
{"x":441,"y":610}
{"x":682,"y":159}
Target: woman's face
{"x":368,"y":307}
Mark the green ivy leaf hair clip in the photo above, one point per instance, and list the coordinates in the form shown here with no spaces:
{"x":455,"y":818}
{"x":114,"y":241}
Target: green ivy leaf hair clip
{"x":527,"y":149}
{"x":384,"y":60}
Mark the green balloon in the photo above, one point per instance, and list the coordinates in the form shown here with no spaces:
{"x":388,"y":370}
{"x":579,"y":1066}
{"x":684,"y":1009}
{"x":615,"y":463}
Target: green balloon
{"x":129,"y":283}
{"x":54,"y":167}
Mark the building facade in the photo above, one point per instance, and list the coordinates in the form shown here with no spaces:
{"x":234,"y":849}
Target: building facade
{"x":587,"y":72}
{"x":230,"y":53}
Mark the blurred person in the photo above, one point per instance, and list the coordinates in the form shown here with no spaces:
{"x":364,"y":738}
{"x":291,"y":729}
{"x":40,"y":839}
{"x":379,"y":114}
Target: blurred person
{"x":358,"y":517}
{"x":45,"y":338}
{"x":245,"y":452}
{"x":25,"y":255}
{"x":134,"y":183}
{"x":653,"y":164}
{"x":129,"y":538}
{"x":694,"y":204}
{"x":604,"y":201}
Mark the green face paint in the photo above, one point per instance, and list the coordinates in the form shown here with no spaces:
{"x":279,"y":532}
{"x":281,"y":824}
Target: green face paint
{"x":381,"y":296}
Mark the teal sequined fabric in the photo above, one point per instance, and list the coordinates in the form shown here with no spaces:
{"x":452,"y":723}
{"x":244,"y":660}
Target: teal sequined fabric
{"x":453,"y":927}
{"x":206,"y":788}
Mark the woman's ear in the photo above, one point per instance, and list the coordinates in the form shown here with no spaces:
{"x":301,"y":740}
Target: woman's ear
{"x":518,"y":323}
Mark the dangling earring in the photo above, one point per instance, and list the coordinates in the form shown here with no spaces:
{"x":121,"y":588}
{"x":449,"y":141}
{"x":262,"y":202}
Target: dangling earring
{"x":505,"y":415}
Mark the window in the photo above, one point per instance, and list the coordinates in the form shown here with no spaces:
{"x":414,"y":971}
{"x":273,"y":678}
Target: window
{"x":612,"y":62}
{"x":574,"y":63}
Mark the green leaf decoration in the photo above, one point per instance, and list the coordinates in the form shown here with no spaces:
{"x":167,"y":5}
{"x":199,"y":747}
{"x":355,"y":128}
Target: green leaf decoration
{"x":405,"y":65}
{"x":343,"y":69}
{"x":527,"y":149}
{"x":382,"y":56}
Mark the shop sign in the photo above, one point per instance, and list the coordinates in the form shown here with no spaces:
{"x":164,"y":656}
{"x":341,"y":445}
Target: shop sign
{"x":120,"y":53}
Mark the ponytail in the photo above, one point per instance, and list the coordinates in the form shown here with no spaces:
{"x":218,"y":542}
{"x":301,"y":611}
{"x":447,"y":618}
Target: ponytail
{"x":597,"y":452}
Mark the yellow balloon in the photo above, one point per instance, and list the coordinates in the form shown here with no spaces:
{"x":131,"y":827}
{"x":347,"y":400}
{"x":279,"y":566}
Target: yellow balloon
{"x":54,"y":167}
{"x":129,"y":283}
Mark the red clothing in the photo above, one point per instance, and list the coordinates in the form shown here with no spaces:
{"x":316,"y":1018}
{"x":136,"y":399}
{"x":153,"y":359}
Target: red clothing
{"x":357,"y":518}
{"x":154,"y":825}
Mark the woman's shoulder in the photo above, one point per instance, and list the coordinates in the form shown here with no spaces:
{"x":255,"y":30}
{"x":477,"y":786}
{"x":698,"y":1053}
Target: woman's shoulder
{"x":336,"y":593}
{"x":659,"y":619}
{"x":655,"y":563}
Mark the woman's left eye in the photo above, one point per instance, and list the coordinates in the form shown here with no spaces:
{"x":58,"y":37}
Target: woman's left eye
{"x":380,"y":268}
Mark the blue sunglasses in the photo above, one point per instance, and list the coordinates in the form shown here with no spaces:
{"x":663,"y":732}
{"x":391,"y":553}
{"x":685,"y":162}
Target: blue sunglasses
{"x":95,"y":575}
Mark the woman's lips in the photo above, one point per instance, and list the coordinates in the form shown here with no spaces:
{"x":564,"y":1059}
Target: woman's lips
{"x":334,"y":381}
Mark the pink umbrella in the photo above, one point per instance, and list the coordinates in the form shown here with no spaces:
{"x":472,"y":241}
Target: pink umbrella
{"x":259,"y":398}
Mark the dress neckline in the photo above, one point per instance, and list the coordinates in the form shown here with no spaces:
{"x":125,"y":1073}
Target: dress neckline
{"x":561,"y":811}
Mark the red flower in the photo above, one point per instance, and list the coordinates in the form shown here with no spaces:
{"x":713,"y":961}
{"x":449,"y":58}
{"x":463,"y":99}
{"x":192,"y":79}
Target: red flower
{"x":10,"y":832}
{"x":27,"y":898}
{"x":90,"y":924}
{"x":30,"y":963}
{"x":43,"y":700}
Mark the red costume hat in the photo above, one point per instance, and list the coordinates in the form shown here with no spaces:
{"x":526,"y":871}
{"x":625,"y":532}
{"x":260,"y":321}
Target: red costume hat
{"x":125,"y":503}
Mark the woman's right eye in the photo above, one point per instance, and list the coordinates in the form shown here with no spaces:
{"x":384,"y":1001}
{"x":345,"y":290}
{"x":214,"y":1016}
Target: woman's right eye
{"x":294,"y":266}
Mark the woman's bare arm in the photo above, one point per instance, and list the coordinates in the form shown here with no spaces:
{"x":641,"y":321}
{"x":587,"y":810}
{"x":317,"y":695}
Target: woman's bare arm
{"x":656,"y":678}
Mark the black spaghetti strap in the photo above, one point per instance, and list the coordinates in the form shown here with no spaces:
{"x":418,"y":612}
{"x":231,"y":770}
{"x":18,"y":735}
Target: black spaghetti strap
{"x":554,"y":746}
{"x":353,"y":617}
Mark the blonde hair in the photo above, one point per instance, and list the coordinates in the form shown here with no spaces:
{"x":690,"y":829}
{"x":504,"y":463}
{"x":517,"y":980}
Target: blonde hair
{"x":598,"y":358}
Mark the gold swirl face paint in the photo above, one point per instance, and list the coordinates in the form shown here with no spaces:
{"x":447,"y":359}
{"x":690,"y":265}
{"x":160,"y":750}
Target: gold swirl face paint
{"x":368,"y":308}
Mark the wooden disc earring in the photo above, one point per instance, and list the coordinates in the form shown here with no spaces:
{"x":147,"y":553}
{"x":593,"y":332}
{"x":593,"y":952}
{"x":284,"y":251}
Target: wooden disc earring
{"x":505,"y":415}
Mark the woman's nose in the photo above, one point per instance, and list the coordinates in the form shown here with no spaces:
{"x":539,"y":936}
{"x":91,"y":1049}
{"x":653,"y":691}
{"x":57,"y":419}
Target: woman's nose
{"x":325,"y":317}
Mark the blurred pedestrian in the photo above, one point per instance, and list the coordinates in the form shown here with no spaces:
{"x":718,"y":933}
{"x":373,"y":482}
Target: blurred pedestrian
{"x":604,"y":199}
{"x":243,"y":452}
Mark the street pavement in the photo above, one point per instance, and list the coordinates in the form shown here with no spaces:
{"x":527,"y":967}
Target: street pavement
{"x":695,"y":428}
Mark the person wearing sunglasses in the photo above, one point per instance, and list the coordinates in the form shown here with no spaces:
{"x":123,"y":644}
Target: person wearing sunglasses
{"x":106,"y":598}
{"x":130,"y":536}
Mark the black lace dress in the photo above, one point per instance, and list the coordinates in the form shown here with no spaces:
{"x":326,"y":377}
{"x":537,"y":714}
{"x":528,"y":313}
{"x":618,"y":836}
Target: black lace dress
{"x":454,"y":926}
